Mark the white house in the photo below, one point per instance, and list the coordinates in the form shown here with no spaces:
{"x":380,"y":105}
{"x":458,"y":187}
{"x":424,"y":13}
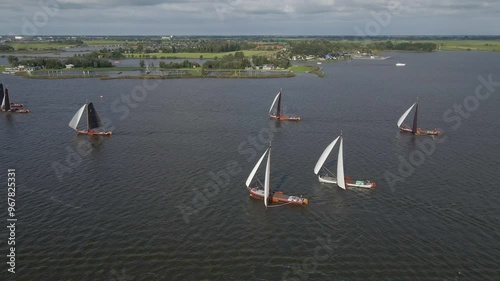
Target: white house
{"x":268,"y":67}
{"x":70,"y":65}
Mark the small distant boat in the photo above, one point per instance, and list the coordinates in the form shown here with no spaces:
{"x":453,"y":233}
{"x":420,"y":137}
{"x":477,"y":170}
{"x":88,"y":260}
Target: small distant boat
{"x":339,"y":179}
{"x":400,"y":64}
{"x":7,"y":105}
{"x":265,"y":193}
{"x":94,"y":125}
{"x":414,"y":129}
{"x":318,"y":62}
{"x":278,"y":114}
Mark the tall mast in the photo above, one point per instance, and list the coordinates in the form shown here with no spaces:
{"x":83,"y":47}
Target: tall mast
{"x":87,"y":111}
{"x":267,"y":180}
{"x":6,"y":100}
{"x":415,"y":117}
{"x":278,"y":108}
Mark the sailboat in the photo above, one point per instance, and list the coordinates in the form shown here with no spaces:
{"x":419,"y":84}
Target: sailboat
{"x":19,"y":105}
{"x":278,"y":114}
{"x":414,"y":129}
{"x":7,"y":105}
{"x":94,"y":125}
{"x":265,"y":193}
{"x":339,"y":179}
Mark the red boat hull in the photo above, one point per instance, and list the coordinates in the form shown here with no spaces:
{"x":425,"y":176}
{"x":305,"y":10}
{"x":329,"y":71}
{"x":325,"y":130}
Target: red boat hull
{"x":278,"y":197}
{"x":420,"y":132}
{"x":16,"y":110}
{"x":284,"y":118}
{"x":94,"y":133}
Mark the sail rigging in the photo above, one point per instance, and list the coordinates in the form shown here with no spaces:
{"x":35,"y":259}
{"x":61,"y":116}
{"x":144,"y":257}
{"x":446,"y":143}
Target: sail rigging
{"x":278,"y":107}
{"x":252,"y":174}
{"x":76,"y":118}
{"x":340,"y":166}
{"x":265,"y":192}
{"x":324,"y":155}
{"x":6,"y":101}
{"x":403,"y":117}
{"x":267,"y":179}
{"x":274,"y":101}
{"x":414,"y":128}
{"x":93,"y":119}
{"x":1,"y":92}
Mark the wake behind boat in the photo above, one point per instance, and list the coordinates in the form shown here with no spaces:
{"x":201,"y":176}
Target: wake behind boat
{"x":339,"y":179}
{"x":278,"y":114}
{"x":94,"y":125}
{"x":265,"y":192}
{"x":414,"y":129}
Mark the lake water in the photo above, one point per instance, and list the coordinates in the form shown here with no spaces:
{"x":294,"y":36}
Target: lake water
{"x":141,"y":204}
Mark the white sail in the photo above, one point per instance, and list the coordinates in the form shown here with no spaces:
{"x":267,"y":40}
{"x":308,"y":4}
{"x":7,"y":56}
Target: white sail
{"x":275,"y":99}
{"x":76,"y":119}
{"x":402,"y":118}
{"x":325,"y":154}
{"x":340,"y":167}
{"x":267,"y":180}
{"x":3,"y":103}
{"x":252,"y":174}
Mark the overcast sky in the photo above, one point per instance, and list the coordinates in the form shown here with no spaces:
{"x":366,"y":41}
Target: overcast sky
{"x":249,"y":17}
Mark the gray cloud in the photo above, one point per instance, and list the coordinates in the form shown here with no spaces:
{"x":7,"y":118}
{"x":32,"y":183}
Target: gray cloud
{"x":252,"y":17}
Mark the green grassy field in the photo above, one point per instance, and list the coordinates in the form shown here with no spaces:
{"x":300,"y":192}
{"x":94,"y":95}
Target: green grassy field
{"x":316,"y":70}
{"x":302,"y":68}
{"x":448,"y":45}
{"x":118,"y":68}
{"x":474,"y":45}
{"x":197,"y":55}
{"x":49,"y":45}
{"x":105,"y":42}
{"x":39,"y":45}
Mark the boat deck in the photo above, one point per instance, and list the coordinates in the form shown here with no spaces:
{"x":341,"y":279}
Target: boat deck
{"x":278,"y":197}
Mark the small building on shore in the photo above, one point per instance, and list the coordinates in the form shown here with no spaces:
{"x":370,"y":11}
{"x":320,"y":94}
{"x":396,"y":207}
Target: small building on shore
{"x":268,"y":67}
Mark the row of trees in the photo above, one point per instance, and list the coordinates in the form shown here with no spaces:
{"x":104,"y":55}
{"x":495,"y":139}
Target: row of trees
{"x":311,"y":47}
{"x":323,"y":47}
{"x":56,"y":63}
{"x":6,"y":48}
{"x":278,"y":61}
{"x":236,"y":61}
{"x":184,"y":64}
{"x":108,"y":54}
{"x":203,"y":46}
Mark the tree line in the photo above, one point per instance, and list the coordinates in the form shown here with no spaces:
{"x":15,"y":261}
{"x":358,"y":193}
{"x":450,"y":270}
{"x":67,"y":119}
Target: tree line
{"x":56,"y":63}
{"x":236,"y":61}
{"x":323,"y":47}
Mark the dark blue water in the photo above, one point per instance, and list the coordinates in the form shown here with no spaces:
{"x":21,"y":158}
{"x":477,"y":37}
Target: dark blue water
{"x":164,"y":198}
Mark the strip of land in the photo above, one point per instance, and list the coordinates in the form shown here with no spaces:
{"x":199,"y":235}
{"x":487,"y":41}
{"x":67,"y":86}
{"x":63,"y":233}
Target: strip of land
{"x":212,"y":56}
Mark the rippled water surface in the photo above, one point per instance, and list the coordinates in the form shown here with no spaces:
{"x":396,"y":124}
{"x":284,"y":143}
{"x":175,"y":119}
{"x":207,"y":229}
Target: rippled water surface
{"x":164,"y":198}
